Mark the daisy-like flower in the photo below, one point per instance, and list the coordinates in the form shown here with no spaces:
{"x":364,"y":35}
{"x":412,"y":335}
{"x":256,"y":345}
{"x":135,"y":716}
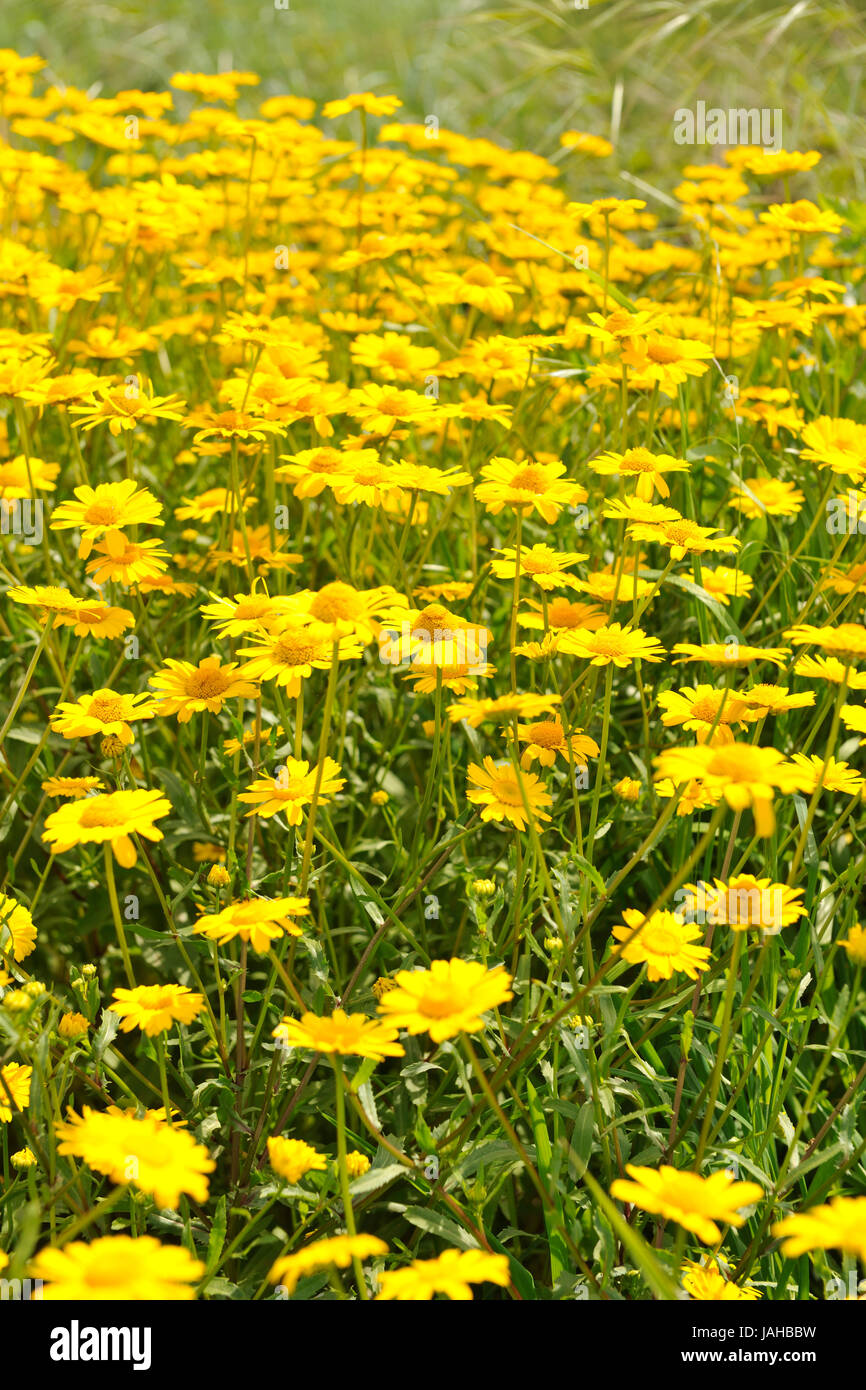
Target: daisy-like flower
{"x":452,"y":1273}
{"x":379,"y":408}
{"x":292,"y":789}
{"x":349,"y":1035}
{"x":743,"y":902}
{"x":704,"y":708}
{"x":774,"y":699}
{"x":706,"y":1282}
{"x":681,"y":535}
{"x":727,"y":654}
{"x":448,"y":670}
{"x":345,"y":609}
{"x":545,"y":738}
{"x":103,"y":713}
{"x":506,"y":795}
{"x":768,"y":496}
{"x":361,"y":101}
{"x":292,"y":1158}
{"x":187,"y":690}
{"x":612,"y":644}
{"x":155,"y":1008}
{"x":828,"y":668}
{"x":528,"y":487}
{"x":854,"y":717}
{"x":17,"y":1081}
{"x":312,"y":470}
{"x":802,"y":219}
{"x":839,"y":1225}
{"x":661,"y":942}
{"x":563,"y":615}
{"x":260,"y":921}
{"x":742,"y":773}
{"x":113,"y":818}
{"x":723,"y":583}
{"x":104,"y":511}
{"x":646,"y":468}
{"x":118,"y":1267}
{"x":126,"y":562}
{"x":855,"y":944}
{"x":541,"y":563}
{"x":831,"y":776}
{"x":76,"y":787}
{"x":848,"y":640}
{"x":431,"y":633}
{"x":167,"y":1160}
{"x":214,"y":502}
{"x":124,"y":409}
{"x":695,"y":1203}
{"x":837,"y":444}
{"x":289,"y":654}
{"x":333,"y":1250}
{"x":17,"y":931}
{"x":255,"y":612}
{"x":447,"y":999}
{"x":517,"y":705}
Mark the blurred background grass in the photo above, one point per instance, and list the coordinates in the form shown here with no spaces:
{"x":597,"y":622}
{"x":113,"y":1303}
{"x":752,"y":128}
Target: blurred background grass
{"x":517,"y":73}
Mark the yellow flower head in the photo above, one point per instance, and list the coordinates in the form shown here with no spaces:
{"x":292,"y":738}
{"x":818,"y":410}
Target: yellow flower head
{"x":447,"y":999}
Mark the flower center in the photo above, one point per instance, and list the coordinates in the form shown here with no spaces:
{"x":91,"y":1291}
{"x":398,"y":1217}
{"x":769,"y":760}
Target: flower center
{"x":97,"y":817}
{"x":206,"y":683}
{"x":529,"y":480}
{"x":293,"y":650}
{"x":547,"y":733}
{"x":660,"y":940}
{"x":336,"y":601}
{"x":507,"y":790}
{"x":106,"y":709}
{"x":101,"y":514}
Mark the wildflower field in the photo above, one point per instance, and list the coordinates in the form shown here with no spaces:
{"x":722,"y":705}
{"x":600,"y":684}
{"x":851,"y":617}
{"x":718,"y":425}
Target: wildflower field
{"x":434,"y":700}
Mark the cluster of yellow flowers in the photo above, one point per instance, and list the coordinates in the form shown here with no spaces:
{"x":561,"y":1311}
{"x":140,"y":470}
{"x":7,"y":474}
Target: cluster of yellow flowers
{"x":358,"y":493}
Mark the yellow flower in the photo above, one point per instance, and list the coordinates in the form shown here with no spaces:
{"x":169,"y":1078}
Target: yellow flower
{"x":768,"y":495}
{"x":594,"y":145}
{"x":72,"y":1025}
{"x":447,"y":999}
{"x":72,"y":786}
{"x":292,"y":789}
{"x":154,"y":1008}
{"x":22,"y":1159}
{"x":105,"y":712}
{"x":503,"y":793}
{"x":647,"y":468}
{"x":728,"y":654}
{"x":661,"y":942}
{"x":125,"y":408}
{"x":705,"y":1281}
{"x":526,"y":706}
{"x":292,"y":1158}
{"x":104,"y":511}
{"x":743,"y":774}
{"x":16,"y":1080}
{"x":361,"y":101}
{"x":528,"y":486}
{"x":628,"y":789}
{"x":802,"y":218}
{"x":744,"y":901}
{"x":848,"y":640}
{"x":840,"y":1225}
{"x":774,"y":699}
{"x":187,"y":689}
{"x":546,"y":566}
{"x":16,"y":928}
{"x":127,"y":562}
{"x":451,"y":1274}
{"x":611,"y":643}
{"x":350,"y":1035}
{"x":703,"y":709}
{"x":334,"y":1250}
{"x":546,"y":737}
{"x":723,"y":583}
{"x":260,"y":921}
{"x":290,"y":654}
{"x":129,"y":1268}
{"x":694,"y":1202}
{"x":837,"y":444}
{"x":855,"y":944}
{"x":109,"y":819}
{"x":156,"y":1158}
{"x":357,"y":1164}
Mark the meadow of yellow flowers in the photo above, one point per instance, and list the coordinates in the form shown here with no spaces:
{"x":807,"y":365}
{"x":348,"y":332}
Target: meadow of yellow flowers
{"x":433,"y":705}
